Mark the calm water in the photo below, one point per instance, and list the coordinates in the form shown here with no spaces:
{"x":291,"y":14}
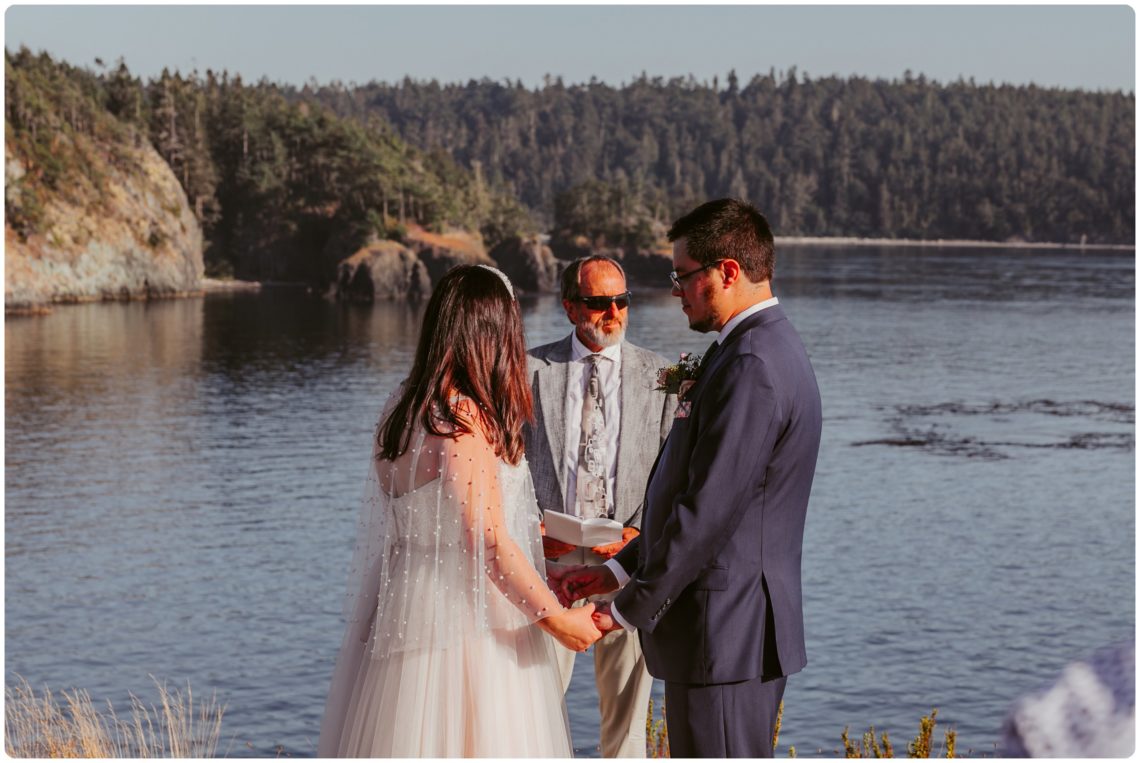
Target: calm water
{"x":181,"y":481}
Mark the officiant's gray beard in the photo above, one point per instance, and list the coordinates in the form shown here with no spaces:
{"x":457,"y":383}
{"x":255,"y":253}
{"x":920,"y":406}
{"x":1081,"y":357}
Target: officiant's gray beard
{"x":601,"y":338}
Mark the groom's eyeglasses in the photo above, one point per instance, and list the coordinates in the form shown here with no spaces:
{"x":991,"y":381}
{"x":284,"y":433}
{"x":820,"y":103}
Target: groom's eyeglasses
{"x":676,"y":277}
{"x":603,"y":303}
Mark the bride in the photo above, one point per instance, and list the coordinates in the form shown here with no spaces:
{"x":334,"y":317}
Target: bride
{"x":447,"y":652}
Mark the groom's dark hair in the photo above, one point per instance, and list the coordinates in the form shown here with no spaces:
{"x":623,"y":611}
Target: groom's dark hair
{"x":729,"y":229}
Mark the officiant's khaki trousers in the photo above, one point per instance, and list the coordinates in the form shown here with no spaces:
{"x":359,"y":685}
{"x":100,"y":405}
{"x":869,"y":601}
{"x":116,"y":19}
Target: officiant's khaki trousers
{"x":623,"y":682}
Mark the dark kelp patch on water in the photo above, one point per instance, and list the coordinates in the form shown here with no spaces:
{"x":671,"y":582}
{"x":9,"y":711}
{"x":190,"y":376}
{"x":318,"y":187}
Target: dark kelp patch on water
{"x":1010,"y":425}
{"x":1115,"y":412}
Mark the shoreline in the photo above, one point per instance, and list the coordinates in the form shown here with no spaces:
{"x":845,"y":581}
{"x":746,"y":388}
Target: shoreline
{"x":214,"y":285}
{"x":231,"y":286}
{"x":941,"y":242}
{"x":21,"y":309}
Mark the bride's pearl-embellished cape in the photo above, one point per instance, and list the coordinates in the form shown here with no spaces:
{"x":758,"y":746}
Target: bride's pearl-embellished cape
{"x":440,"y":657}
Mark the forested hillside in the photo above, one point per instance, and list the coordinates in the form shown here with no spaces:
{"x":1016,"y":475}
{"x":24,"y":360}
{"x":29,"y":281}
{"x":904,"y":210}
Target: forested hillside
{"x":287,"y":183}
{"x":282,"y":189}
{"x":854,"y":157}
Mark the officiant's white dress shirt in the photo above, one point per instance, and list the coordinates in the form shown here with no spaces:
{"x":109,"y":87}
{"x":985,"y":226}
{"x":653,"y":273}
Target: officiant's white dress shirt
{"x":614,"y":566}
{"x":609,"y":376}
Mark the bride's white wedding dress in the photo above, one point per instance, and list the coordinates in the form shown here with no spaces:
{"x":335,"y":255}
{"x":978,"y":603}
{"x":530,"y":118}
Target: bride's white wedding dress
{"x":441,"y":657}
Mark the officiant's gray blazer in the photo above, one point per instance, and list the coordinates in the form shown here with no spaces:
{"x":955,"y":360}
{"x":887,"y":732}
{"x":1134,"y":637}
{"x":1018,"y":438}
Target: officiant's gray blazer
{"x":646,"y":416}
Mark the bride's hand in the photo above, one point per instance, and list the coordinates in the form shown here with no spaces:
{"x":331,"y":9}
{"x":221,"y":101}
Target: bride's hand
{"x":555,"y":572}
{"x":574,"y":628}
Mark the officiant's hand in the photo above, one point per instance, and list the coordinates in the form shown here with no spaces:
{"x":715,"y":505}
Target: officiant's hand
{"x":593,"y":580}
{"x":610,"y":550}
{"x":552,"y":548}
{"x":574,"y":628}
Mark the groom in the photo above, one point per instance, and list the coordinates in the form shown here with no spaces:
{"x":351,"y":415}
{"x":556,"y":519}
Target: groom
{"x":713,"y":582}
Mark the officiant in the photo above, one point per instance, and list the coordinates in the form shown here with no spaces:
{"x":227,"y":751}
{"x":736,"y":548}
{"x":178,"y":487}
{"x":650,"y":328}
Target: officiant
{"x":599,"y":422}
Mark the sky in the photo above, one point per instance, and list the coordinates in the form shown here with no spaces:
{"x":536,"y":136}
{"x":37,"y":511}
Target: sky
{"x":1075,"y":46}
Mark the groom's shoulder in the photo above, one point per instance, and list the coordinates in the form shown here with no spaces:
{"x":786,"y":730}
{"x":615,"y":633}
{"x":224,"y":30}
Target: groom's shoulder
{"x":771,"y":342}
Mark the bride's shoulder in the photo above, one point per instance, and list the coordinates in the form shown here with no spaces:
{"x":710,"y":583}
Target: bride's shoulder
{"x":466,"y":408}
{"x":464,"y":421}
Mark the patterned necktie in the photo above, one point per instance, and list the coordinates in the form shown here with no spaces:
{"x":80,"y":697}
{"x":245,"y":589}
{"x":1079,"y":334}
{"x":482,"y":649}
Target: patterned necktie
{"x":592,"y":462}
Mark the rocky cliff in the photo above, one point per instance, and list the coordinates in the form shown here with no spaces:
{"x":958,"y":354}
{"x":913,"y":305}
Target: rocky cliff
{"x":120,"y":230}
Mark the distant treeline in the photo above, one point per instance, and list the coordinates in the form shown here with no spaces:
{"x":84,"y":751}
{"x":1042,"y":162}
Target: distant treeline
{"x":283,"y":189}
{"x":286,"y":181}
{"x":851,"y":157}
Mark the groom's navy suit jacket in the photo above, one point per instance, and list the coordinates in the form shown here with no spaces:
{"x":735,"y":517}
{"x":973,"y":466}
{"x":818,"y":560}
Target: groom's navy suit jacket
{"x":715,"y":574}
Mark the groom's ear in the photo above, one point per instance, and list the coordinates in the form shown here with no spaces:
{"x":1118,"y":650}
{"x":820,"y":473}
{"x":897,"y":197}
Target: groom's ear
{"x":732,"y":272}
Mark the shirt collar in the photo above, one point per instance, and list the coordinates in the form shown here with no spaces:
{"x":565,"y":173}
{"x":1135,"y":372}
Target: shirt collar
{"x":739,"y":317}
{"x":578,"y":351}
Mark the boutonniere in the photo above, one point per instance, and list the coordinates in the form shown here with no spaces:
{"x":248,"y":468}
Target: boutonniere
{"x":678,"y":379}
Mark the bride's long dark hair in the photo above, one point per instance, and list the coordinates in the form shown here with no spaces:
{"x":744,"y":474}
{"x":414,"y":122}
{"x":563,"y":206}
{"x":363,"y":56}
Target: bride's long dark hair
{"x":472,"y":343}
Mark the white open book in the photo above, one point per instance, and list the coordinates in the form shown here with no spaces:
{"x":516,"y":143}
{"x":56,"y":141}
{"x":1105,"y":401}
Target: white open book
{"x":581,"y":532}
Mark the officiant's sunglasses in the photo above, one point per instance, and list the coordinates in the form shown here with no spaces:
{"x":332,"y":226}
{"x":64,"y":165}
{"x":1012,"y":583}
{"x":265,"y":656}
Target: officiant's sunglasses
{"x":603,"y":303}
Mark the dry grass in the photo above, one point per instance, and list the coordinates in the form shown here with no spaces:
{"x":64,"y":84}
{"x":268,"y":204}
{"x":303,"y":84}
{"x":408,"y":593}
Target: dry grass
{"x":921,"y":747}
{"x":458,"y":241}
{"x":657,"y":739}
{"x":39,"y":726}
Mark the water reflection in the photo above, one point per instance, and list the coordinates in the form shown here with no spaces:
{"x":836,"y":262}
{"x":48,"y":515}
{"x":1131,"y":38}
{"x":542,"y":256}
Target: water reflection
{"x":917,"y":274}
{"x":181,"y":480}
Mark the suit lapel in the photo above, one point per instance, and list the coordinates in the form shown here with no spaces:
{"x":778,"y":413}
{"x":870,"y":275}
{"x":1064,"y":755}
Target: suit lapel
{"x":768,"y":315}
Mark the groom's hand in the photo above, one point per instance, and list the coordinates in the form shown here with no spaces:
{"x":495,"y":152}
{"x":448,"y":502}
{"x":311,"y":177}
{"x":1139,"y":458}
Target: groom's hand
{"x":554,"y":574}
{"x":580,"y":582}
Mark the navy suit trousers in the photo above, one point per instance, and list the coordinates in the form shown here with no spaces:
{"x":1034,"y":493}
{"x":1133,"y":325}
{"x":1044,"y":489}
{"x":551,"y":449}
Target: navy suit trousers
{"x":734,"y":720}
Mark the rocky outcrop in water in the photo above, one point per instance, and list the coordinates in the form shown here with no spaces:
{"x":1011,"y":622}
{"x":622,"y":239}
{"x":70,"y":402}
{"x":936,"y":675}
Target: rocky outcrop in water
{"x":131,"y":236}
{"x":393,"y":270}
{"x":390,"y":270}
{"x":529,"y":263}
{"x":648,"y":267}
{"x":643,"y":267}
{"x":440,"y":252}
{"x":383,"y":270}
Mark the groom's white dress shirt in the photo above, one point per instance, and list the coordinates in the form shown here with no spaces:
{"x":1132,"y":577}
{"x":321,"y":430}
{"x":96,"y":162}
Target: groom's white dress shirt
{"x":618,"y":571}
